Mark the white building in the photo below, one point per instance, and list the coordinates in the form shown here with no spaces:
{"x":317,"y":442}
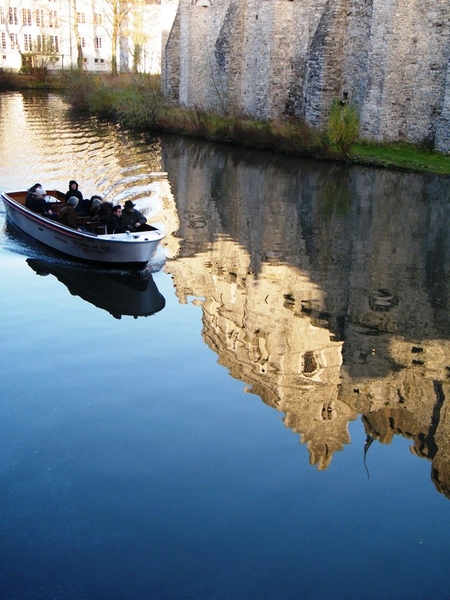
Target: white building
{"x":60,"y":33}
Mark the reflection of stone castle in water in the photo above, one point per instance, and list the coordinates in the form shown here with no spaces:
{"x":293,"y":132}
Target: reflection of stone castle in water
{"x":325,"y":290}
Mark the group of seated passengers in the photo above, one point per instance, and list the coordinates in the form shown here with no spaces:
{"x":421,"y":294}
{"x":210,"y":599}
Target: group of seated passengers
{"x":130,"y":219}
{"x":95,"y":209}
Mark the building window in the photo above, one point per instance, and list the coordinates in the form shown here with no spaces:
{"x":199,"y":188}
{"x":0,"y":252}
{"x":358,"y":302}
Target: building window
{"x":81,"y":17}
{"x":97,"y":43}
{"x":52,"y":18}
{"x":83,"y":42}
{"x":3,"y":40}
{"x":27,"y":42}
{"x":98,"y":19}
{"x":13,"y":16}
{"x":310,"y":365}
{"x":54,"y":43}
{"x":13,"y":40}
{"x":2,"y":15}
{"x":26,"y":17}
{"x":39,"y":15}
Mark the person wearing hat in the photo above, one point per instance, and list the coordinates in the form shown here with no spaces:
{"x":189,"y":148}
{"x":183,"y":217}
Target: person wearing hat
{"x":74,"y":191}
{"x":132,"y":218}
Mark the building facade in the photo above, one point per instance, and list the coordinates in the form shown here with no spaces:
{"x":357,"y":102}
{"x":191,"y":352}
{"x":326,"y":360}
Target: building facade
{"x":63,"y":34}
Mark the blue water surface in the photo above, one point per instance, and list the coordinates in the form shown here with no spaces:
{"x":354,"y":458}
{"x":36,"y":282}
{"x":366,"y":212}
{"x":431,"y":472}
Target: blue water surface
{"x":134,"y":466}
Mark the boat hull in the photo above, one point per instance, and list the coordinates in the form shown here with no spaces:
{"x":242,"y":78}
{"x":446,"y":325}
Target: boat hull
{"x":122,"y":249}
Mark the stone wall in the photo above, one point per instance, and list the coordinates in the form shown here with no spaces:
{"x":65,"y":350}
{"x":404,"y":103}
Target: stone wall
{"x":273,"y":58}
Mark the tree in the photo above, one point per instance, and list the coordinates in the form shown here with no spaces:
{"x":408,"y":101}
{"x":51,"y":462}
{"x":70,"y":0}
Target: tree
{"x":116,"y":12}
{"x":138,"y":36}
{"x":45,"y":51}
{"x":74,"y":24}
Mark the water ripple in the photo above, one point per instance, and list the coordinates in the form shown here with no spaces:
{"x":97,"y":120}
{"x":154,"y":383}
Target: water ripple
{"x":57,"y":147}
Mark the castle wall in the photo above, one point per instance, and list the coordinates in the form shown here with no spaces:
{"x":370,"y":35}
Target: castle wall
{"x":272,"y":58}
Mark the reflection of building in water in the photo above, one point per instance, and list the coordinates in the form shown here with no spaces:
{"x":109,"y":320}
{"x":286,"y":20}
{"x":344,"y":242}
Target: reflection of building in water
{"x":323,"y":295}
{"x":257,"y":328}
{"x":411,"y":400}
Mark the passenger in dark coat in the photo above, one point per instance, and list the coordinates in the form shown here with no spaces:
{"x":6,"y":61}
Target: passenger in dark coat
{"x":132,"y":218}
{"x":114,"y":223}
{"x":89,"y":208}
{"x":31,"y":194}
{"x":68,"y":213}
{"x":95,"y":204}
{"x":35,"y":201}
{"x":74,"y":191}
{"x":103,"y":212}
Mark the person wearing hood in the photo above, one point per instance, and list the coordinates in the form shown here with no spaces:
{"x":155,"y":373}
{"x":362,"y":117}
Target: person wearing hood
{"x":74,"y":191}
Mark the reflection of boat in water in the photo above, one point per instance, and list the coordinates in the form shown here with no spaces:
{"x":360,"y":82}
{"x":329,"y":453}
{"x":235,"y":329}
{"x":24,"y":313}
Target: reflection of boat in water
{"x":119,"y":293}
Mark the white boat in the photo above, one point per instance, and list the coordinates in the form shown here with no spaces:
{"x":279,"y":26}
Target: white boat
{"x":93,"y":244}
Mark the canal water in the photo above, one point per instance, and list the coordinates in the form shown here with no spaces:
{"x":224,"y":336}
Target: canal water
{"x":263,"y":412}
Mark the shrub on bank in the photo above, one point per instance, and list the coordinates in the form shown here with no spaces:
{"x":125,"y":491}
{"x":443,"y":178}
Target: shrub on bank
{"x":343,"y":127}
{"x":77,"y":88}
{"x":135,"y":101}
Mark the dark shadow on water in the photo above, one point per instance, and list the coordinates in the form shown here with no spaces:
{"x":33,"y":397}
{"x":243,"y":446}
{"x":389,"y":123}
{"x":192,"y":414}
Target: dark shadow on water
{"x":119,"y":293}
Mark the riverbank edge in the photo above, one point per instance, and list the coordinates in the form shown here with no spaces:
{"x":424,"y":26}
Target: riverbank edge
{"x":136,"y":103}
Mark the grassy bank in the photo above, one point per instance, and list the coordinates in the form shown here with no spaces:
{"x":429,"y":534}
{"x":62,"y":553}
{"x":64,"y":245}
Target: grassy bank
{"x":137,"y":103}
{"x":400,"y":156}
